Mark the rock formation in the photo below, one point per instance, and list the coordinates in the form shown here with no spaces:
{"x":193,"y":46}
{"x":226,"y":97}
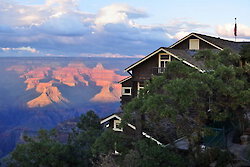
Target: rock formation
{"x":71,"y":75}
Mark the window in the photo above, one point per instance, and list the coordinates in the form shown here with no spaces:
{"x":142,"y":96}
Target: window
{"x":163,"y":60}
{"x":126,"y":90}
{"x":117,"y":126}
{"x":194,"y":44}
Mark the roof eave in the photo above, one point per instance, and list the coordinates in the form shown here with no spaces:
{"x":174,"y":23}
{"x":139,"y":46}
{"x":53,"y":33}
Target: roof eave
{"x":197,"y":36}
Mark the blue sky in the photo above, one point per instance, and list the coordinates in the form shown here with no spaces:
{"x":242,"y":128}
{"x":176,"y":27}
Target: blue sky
{"x":113,"y":28}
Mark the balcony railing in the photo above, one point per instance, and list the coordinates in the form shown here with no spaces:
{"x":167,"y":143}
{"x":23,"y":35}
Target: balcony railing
{"x":158,"y":70}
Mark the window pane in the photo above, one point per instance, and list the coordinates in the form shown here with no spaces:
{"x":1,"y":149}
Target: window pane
{"x":162,"y":64}
{"x":126,"y":90}
{"x":165,"y":57}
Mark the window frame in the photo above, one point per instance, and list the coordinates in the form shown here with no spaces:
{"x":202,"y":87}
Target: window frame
{"x":124,"y":93}
{"x":163,"y":60}
{"x":116,"y":124}
{"x":191,"y":44}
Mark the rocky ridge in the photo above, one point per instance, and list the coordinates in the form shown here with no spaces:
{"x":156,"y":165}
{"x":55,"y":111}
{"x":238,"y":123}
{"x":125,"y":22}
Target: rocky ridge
{"x":72,"y":75}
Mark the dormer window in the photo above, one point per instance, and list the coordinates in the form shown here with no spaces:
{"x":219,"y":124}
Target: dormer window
{"x":163,"y":60}
{"x":194,"y":44}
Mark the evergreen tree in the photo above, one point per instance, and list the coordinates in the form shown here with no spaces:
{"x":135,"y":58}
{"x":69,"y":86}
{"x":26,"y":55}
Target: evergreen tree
{"x":45,"y":150}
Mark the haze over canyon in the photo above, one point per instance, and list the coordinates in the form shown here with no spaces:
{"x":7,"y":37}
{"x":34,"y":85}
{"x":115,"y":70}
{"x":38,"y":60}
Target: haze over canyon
{"x":42,"y":92}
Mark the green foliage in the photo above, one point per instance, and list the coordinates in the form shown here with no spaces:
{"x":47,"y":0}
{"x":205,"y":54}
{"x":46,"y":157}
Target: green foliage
{"x":46,"y":151}
{"x":245,"y":53}
{"x":89,"y":121}
{"x":192,"y":100}
{"x":110,"y":141}
{"x":149,"y":154}
{"x":213,"y":155}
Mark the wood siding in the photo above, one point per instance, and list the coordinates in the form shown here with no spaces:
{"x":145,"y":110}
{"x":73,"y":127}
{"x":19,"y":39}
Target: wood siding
{"x":144,"y":70}
{"x":127,"y":98}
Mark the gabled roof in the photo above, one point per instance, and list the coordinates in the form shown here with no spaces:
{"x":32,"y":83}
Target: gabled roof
{"x":143,"y":59}
{"x":110,"y":117}
{"x":186,"y":56}
{"x":217,"y":42}
{"x":197,"y":36}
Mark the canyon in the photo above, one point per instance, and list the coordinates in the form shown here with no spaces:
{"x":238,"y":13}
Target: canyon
{"x":42,"y":92}
{"x":44,"y":80}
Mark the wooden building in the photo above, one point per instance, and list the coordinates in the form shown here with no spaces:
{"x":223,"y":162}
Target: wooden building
{"x":183,"y":50}
{"x":156,"y":62}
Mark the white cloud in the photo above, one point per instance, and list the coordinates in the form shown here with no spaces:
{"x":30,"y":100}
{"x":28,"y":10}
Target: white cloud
{"x":60,"y":27}
{"x":180,"y":27}
{"x":177,"y":35}
{"x":29,"y":15}
{"x":117,"y":13}
{"x":227,"y":30}
{"x":27,"y":49}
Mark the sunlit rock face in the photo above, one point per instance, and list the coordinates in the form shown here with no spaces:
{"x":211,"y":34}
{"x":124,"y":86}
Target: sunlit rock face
{"x":46,"y":80}
{"x":42,"y":92}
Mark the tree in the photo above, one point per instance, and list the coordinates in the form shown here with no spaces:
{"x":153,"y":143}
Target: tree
{"x":45,"y":149}
{"x":148,"y":154}
{"x":192,"y":100}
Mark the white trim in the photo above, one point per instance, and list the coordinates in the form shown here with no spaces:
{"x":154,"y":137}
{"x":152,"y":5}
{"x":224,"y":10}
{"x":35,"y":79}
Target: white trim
{"x":197,"y":36}
{"x":109,"y":118}
{"x":191,"y":65}
{"x":124,"y":93}
{"x":119,"y":118}
{"x":160,"y":70}
{"x":184,"y":61}
{"x":167,"y":52}
{"x":115,"y":128}
{"x":131,"y":126}
{"x":143,"y":59}
{"x":162,"y":49}
{"x":194,"y":44}
{"x":150,"y":55}
{"x":125,"y":79}
{"x":139,"y":88}
{"x":159,"y":59}
{"x":147,"y":136}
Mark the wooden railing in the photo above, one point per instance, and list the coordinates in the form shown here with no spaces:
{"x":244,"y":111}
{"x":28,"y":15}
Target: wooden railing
{"x":158,"y":70}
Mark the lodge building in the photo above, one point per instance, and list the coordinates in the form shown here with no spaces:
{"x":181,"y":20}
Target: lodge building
{"x":156,"y":62}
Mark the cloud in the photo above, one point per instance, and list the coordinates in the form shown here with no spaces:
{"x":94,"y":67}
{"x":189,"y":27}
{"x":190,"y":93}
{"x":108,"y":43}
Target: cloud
{"x":117,"y":13}
{"x":58,"y":27}
{"x":180,"y":27}
{"x":27,"y":49}
{"x":227,"y":30}
{"x":65,"y":25}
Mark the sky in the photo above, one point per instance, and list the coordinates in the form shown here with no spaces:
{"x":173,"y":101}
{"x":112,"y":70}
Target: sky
{"x":113,"y":28}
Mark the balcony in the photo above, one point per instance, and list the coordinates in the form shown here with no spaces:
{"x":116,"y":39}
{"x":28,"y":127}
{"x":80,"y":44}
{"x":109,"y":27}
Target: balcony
{"x":158,"y":70}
